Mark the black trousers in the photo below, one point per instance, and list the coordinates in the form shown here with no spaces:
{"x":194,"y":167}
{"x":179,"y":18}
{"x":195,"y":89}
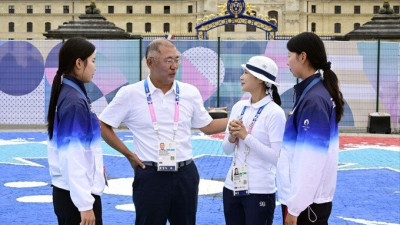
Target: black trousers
{"x":162,"y":196}
{"x":66,"y":211}
{"x":253,"y":209}
{"x":319,"y":213}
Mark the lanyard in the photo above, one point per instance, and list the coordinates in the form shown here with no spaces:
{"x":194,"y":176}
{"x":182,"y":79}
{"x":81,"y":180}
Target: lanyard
{"x":255,"y":117}
{"x":153,"y":113}
{"x":309,"y":86}
{"x":247,"y":149}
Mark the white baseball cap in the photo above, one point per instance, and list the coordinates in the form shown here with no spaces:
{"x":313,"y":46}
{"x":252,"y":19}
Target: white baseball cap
{"x":263,"y":68}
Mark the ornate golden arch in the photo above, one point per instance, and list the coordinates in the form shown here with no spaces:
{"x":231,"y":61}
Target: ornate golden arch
{"x":236,"y":12}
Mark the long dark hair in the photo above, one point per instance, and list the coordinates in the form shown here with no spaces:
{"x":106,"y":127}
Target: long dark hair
{"x":313,"y":46}
{"x":73,"y":49}
{"x":275,"y":95}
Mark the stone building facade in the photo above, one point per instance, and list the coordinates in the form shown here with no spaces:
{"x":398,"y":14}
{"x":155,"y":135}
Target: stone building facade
{"x":21,"y":20}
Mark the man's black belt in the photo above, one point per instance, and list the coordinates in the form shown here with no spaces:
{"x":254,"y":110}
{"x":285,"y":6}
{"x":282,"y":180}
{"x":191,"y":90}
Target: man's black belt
{"x":180,"y":164}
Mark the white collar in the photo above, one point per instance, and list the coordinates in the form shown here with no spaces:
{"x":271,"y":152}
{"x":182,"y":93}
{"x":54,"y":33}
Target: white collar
{"x":258,"y":104}
{"x":153,"y":88}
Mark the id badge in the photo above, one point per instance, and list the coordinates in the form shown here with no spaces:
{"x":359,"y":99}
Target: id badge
{"x":167,"y":157}
{"x":240,"y":181}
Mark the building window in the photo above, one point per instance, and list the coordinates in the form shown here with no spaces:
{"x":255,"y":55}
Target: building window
{"x":147,"y":27}
{"x":29,"y":9}
{"x":376,"y":9}
{"x":147,"y":9}
{"x":11,"y":9}
{"x":338,"y":9}
{"x":313,"y":9}
{"x":337,"y":28}
{"x":66,"y":9}
{"x":166,"y":9}
{"x":110,"y":9}
{"x":47,"y":9}
{"x":190,"y":27}
{"x":47,"y":26}
{"x":166,"y":27}
{"x":273,"y":15}
{"x":357,"y":9}
{"x":10,"y":27}
{"x":29,"y":27}
{"x":190,"y":9}
{"x":313,"y":27}
{"x":396,"y":9}
{"x":250,"y":28}
{"x":229,"y":28}
{"x":129,"y":9}
{"x":129,"y":27}
{"x":356,"y":26}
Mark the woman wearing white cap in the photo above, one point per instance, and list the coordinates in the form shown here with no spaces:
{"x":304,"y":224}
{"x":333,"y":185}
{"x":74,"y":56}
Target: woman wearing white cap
{"x":254,"y":136}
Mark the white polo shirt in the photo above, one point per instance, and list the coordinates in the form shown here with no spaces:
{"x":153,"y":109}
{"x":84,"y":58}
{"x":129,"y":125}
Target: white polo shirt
{"x":130,"y":107}
{"x":264,"y":143}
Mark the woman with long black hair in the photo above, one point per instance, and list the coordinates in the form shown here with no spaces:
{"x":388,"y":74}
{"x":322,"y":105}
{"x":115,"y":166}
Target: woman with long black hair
{"x":307,"y":166}
{"x":74,"y":149}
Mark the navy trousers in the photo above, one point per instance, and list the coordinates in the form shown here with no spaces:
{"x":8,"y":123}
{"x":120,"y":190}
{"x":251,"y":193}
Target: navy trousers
{"x":162,"y":196}
{"x":66,"y":211}
{"x":319,"y":213}
{"x":253,"y":209}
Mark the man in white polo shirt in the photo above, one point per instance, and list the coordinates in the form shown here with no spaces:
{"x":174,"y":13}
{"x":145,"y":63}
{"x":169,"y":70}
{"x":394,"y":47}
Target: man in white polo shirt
{"x":158,"y":110}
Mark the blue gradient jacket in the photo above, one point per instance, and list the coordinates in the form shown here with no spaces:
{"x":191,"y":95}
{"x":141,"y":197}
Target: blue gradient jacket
{"x":74,"y":154}
{"x":307,"y":165}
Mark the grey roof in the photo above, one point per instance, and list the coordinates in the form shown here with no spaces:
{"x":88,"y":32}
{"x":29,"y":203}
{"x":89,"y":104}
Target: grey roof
{"x":384,"y":25}
{"x":91,"y":26}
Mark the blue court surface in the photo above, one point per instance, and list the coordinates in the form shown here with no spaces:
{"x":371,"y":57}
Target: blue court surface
{"x":368,"y":187}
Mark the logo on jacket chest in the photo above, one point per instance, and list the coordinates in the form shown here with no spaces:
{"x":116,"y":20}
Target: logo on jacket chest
{"x":306,"y":125}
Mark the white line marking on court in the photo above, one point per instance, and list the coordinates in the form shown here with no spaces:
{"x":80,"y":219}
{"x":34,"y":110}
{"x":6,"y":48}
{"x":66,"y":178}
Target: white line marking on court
{"x":203,"y":155}
{"x":204,"y":137}
{"x":344,"y":165}
{"x":367,"y":222}
{"x":371,"y":168}
{"x":36,"y":199}
{"x":20,"y":141}
{"x":29,"y":163}
{"x":393,"y":148}
{"x":126,"y":207}
{"x":25,"y":184}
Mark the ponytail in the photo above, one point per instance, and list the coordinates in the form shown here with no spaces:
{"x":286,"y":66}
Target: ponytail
{"x":332,"y":85}
{"x":55,"y":92}
{"x":73,"y":49}
{"x":313,"y":46}
{"x":275,"y":95}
